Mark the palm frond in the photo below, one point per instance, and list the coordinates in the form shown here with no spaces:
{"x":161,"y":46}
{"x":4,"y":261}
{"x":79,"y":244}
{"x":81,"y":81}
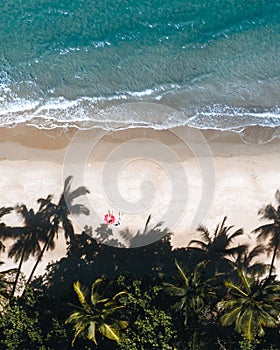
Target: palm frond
{"x":95,"y":296}
{"x":204,"y":233}
{"x":182,"y":273}
{"x":147,"y":224}
{"x":91,"y":332}
{"x":76,"y":315}
{"x":237,"y":250}
{"x":277,"y":196}
{"x":200,"y":245}
{"x":80,"y":191}
{"x":79,"y":330}
{"x":126,"y":234}
{"x":264,"y":231}
{"x":237,"y":233}
{"x":223,"y":222}
{"x":2,"y":247}
{"x":258,"y":250}
{"x":5,"y":211}
{"x":110,"y":332}
{"x":67,"y":227}
{"x":245,"y":281}
{"x":82,"y":293}
{"x":78,"y":209}
{"x":116,"y":296}
{"x":220,"y":228}
{"x":24,"y":212}
{"x":230,"y":317}
{"x":268,"y":212}
{"x":67,"y":185}
{"x":15,"y":250}
{"x":173,"y":290}
{"x":45,"y":202}
{"x":233,"y":288}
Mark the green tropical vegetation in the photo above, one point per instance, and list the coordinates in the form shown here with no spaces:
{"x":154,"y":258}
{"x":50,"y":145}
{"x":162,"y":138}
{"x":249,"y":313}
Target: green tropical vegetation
{"x":251,"y":304}
{"x":271,"y":230}
{"x":96,"y":313}
{"x":139,"y":293}
{"x":216,"y":248}
{"x":195,"y":292}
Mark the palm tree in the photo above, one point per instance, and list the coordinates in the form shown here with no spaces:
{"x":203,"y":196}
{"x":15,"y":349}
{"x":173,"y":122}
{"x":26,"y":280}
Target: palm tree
{"x":59,"y":214}
{"x":244,"y":259}
{"x":66,"y":207}
{"x":96,"y":313}
{"x":251,"y":305}
{"x":27,"y":238}
{"x":195,"y":292}
{"x":217,"y":248}
{"x":272,"y":230}
{"x":4,"y":230}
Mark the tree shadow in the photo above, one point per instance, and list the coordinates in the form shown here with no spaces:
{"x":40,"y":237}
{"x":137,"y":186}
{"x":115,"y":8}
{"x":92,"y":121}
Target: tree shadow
{"x":104,"y":235}
{"x":146,"y":237}
{"x":88,"y":259}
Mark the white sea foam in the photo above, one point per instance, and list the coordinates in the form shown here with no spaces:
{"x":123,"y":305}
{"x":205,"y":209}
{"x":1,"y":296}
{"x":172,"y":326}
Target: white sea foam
{"x":60,"y":104}
{"x":18,"y":107}
{"x":86,"y":112}
{"x":146,"y":92}
{"x":107,"y":112}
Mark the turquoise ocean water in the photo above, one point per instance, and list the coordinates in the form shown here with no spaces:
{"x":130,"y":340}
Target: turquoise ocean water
{"x":63,"y":62}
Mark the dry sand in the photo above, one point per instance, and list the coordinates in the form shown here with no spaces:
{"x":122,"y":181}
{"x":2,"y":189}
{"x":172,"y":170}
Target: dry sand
{"x":182,"y":177}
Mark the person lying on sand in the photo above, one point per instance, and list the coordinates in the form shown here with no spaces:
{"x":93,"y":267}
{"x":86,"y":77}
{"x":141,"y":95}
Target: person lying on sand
{"x":119,"y":220}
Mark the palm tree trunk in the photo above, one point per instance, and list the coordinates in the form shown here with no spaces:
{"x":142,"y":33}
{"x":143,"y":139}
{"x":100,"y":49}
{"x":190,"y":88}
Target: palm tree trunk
{"x":18,"y":273}
{"x":272,"y":260}
{"x":39,"y":259}
{"x":276,"y":248}
{"x":37,"y":263}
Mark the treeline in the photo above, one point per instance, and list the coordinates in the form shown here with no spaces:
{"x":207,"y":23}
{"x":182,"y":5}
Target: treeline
{"x":212,"y":294}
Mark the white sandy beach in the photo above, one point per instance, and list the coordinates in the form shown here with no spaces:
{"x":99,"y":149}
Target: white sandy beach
{"x":172,"y":175}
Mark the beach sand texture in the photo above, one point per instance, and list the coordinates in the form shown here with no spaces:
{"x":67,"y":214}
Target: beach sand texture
{"x":182,"y":177}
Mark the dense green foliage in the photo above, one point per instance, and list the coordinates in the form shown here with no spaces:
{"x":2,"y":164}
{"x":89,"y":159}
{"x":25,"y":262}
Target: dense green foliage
{"x":96,"y":313}
{"x":213,"y":294}
{"x":251,"y":305}
{"x":28,"y":323}
{"x":150,"y":325}
{"x":196,"y":293}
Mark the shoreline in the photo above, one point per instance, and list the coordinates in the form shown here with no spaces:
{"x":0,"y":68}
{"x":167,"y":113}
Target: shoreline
{"x":18,"y":132}
{"x":28,"y":139}
{"x":141,"y":172}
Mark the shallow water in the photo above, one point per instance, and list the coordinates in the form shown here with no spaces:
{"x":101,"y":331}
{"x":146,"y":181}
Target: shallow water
{"x":215,"y":63}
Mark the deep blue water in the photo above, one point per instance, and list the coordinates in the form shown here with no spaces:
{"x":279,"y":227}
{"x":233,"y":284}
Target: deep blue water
{"x":64,"y":62}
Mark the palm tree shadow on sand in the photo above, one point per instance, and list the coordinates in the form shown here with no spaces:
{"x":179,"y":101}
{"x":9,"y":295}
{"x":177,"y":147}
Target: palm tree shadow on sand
{"x":88,"y":258}
{"x":103,"y":234}
{"x":146,"y":237}
{"x":128,"y":239}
